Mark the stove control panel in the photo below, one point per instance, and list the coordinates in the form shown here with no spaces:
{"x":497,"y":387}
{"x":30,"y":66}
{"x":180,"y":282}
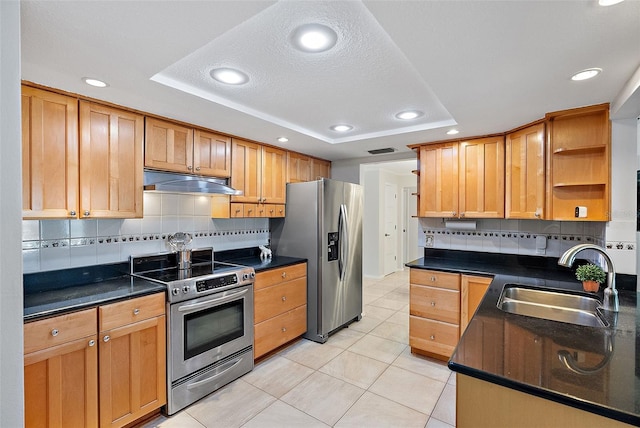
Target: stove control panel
{"x":213,"y":283}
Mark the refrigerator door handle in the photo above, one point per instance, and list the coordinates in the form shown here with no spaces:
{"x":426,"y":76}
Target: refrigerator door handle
{"x":344,"y":241}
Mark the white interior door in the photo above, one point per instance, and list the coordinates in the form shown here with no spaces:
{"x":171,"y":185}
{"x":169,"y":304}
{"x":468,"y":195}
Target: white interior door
{"x":390,"y":228}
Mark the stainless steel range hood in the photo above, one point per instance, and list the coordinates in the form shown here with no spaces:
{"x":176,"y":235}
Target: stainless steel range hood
{"x":184,"y":183}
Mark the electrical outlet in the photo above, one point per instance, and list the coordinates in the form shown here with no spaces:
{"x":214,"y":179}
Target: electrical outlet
{"x":428,"y":241}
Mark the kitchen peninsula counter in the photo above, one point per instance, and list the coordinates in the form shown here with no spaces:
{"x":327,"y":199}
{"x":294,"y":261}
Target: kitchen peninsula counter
{"x":522,"y":353}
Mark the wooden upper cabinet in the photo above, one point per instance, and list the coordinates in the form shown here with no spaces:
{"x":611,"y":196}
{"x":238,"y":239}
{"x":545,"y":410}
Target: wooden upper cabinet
{"x":49,"y":154}
{"x":168,"y":146}
{"x":111,"y":162}
{"x":259,"y":171}
{"x":481,"y":179}
{"x":438,"y":180}
{"x":274,"y":175}
{"x":299,"y":167}
{"x":211,"y":154}
{"x":525,"y":173}
{"x":580,"y":163}
{"x":320,"y":169}
{"x":246,"y":170}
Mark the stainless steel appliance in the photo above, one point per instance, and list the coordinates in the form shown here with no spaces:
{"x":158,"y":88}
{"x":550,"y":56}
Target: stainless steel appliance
{"x":324,"y":224}
{"x":209,"y":322}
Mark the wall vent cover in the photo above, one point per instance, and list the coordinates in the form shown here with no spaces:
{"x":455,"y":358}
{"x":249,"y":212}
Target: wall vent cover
{"x":381,"y":151}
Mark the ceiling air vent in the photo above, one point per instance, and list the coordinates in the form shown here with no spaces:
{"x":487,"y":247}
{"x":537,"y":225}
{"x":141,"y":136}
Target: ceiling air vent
{"x":381,"y":151}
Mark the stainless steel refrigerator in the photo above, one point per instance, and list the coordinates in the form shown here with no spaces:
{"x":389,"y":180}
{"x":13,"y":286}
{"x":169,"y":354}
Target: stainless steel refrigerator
{"x":323,"y":223}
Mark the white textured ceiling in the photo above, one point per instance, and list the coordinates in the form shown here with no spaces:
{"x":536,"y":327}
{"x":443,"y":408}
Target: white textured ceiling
{"x":488,"y":66}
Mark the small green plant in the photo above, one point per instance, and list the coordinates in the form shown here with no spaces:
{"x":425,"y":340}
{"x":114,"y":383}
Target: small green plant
{"x":591,"y":272}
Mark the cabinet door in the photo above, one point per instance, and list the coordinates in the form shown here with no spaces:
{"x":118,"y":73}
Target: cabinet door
{"x":299,"y":167}
{"x":525,"y":173}
{"x":481,"y":163}
{"x":61,"y":385}
{"x":274,"y":175}
{"x":49,"y":154}
{"x":132,"y":371}
{"x":320,"y":169}
{"x":211,"y":154}
{"x":168,"y":146}
{"x":111,"y":162}
{"x":246,"y":170}
{"x":438,"y":180}
{"x":473,"y":290}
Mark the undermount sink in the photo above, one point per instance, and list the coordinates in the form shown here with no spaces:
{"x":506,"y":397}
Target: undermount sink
{"x":555,"y":305}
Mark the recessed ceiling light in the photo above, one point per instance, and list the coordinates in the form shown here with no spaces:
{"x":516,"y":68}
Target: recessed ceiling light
{"x":609,"y":2}
{"x":230,"y":76}
{"x":283,"y":139}
{"x":586,"y":74}
{"x":452,"y":132}
{"x":341,"y":128}
{"x":409,"y":114}
{"x":314,"y":38}
{"x":95,"y":82}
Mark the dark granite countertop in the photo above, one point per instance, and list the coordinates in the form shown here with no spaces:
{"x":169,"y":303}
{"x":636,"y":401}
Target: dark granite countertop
{"x":251,"y":257}
{"x":56,"y":292}
{"x":522,"y":353}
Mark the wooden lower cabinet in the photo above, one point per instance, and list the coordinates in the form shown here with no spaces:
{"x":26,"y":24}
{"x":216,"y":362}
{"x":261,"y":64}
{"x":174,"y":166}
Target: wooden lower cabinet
{"x":77,"y":377}
{"x":440,"y":307}
{"x":280,"y":307}
{"x":482,"y":404}
{"x":132,"y":359}
{"x":61,"y":371}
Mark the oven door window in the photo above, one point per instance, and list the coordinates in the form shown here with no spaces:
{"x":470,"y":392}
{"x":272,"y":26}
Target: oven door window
{"x":210,"y":328}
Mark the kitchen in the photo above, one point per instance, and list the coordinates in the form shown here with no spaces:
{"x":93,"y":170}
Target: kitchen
{"x":622,"y":134}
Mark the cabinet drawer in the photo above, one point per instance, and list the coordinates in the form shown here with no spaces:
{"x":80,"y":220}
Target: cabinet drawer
{"x":58,"y":330}
{"x":433,"y":336}
{"x":275,"y":276}
{"x":436,"y":303}
{"x":275,"y":300}
{"x":435,"y":279}
{"x":130,"y":311}
{"x":270,"y":334}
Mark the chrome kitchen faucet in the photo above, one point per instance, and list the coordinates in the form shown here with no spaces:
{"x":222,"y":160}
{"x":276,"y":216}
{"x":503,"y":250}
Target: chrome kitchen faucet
{"x":611,"y":302}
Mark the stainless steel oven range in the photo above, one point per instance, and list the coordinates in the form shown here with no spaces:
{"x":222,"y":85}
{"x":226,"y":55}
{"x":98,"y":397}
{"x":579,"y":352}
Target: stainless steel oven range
{"x":209,"y":322}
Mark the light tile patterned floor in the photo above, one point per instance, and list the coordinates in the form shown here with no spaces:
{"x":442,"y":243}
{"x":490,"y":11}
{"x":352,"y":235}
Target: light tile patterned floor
{"x":364,"y":376}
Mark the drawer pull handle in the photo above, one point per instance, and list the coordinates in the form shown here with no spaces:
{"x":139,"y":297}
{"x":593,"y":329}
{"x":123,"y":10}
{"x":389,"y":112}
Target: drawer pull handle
{"x":432,"y":337}
{"x":92,"y":342}
{"x":284,"y":274}
{"x":54,"y":332}
{"x":433,"y":278}
{"x":284,"y":298}
{"x":106,"y":338}
{"x":284,"y":329}
{"x":433,"y":303}
{"x":136,"y":311}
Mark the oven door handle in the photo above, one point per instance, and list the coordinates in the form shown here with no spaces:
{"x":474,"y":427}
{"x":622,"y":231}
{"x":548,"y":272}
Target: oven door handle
{"x":212,"y":302}
{"x":223,"y":369}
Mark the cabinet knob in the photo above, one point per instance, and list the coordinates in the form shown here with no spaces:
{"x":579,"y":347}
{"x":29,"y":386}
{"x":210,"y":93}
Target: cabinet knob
{"x":72,"y":213}
{"x":433,"y":278}
{"x":86,"y":213}
{"x":54,"y":332}
{"x":92,"y":342}
{"x":453,"y":214}
{"x":284,"y":298}
{"x":432,"y":337}
{"x":433,"y":303}
{"x":284,"y":329}
{"x":537,"y":214}
{"x":136,"y":311}
{"x":106,"y":338}
{"x":284,"y":274}
{"x":461,"y":214}
{"x":197,"y":168}
{"x":264,"y":200}
{"x":189,"y":167}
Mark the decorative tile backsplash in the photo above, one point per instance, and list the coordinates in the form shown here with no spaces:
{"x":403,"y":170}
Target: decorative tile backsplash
{"x":525,"y":237}
{"x":60,"y":244}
